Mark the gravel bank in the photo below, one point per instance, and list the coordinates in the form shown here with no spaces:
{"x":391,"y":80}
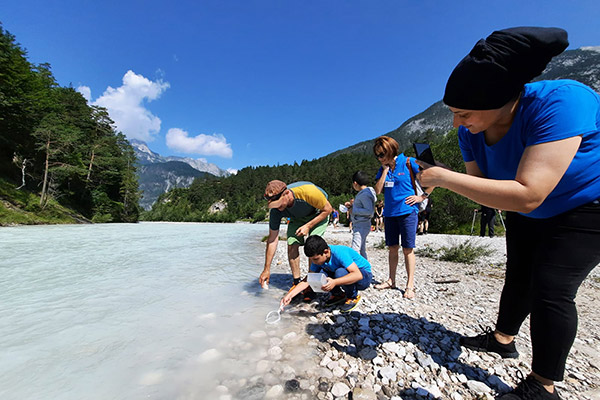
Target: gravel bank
{"x":392,"y":348}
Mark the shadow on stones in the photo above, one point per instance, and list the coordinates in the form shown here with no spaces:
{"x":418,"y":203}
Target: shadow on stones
{"x":277,"y":281}
{"x":360,"y":335}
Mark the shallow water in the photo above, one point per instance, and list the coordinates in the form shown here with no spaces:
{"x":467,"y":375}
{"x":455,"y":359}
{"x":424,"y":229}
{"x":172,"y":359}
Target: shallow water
{"x":126,"y":311}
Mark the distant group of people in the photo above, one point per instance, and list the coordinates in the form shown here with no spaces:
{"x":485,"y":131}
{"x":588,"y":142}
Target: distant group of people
{"x":531,"y":149}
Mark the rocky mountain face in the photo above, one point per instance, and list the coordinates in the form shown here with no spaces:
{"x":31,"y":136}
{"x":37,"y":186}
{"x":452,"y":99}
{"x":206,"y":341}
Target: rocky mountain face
{"x":158,"y":174}
{"x":582,"y":65}
{"x":156,"y":179}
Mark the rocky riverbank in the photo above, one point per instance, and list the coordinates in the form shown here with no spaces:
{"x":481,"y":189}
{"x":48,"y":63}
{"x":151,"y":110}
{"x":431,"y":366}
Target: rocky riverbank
{"x":392,"y":348}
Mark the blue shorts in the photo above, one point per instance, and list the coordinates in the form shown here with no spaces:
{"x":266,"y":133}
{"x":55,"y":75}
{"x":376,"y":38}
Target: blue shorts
{"x":404,"y":226}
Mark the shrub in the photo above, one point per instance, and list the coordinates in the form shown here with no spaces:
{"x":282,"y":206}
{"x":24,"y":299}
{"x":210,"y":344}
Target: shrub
{"x":466,"y":252}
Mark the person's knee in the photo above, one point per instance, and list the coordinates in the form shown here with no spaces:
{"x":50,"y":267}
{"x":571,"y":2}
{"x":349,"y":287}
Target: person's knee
{"x":407,"y":251}
{"x":394,"y":248}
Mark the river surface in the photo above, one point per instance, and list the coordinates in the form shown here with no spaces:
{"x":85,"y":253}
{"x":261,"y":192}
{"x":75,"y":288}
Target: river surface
{"x":126,"y":311}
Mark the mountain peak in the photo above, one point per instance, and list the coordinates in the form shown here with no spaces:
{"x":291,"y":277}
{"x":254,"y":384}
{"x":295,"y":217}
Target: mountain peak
{"x":591,"y":48}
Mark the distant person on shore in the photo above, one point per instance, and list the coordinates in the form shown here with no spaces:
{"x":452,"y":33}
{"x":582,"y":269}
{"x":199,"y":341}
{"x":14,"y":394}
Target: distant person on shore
{"x":424,"y":219}
{"x":349,"y":212}
{"x":308,"y":209}
{"x":347,"y":273}
{"x":532,"y":149}
{"x":361,"y":211}
{"x":400,"y":211}
{"x":379,"y":216}
{"x":335,"y":216}
{"x":488,"y":219}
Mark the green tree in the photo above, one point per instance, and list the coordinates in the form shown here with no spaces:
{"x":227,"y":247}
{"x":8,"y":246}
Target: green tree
{"x":54,"y":139}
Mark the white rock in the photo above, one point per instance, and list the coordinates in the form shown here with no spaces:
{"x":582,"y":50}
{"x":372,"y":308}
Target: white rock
{"x":378,"y":360}
{"x":290,"y":337}
{"x":262,"y":366}
{"x":456,"y":396}
{"x":391,"y":347}
{"x":340,"y":389}
{"x":209,"y":355}
{"x":338,"y":372}
{"x":258,"y":335}
{"x":388,"y":372}
{"x":274,"y":392}
{"x":478,"y":387}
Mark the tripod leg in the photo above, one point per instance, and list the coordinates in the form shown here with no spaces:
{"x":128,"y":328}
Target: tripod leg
{"x":501,"y":219}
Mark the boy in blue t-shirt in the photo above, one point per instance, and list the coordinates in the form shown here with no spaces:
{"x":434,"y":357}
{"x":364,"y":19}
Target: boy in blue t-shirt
{"x":347,"y":273}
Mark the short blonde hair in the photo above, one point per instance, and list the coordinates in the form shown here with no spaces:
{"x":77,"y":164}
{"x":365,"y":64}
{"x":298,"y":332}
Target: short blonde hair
{"x":387,"y":145}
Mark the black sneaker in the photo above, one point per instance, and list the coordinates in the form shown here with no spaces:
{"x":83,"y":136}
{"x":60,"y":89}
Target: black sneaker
{"x":308,"y":295}
{"x":530,"y":389}
{"x":335,"y":299}
{"x":487,"y":342}
{"x":350,"y":304}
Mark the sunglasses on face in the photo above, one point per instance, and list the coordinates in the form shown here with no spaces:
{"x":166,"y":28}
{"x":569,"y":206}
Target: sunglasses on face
{"x":274,"y":197}
{"x":380,"y":155}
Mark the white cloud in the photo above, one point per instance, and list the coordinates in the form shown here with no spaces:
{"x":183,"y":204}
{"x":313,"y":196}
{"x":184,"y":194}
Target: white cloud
{"x":209,"y":145}
{"x":126,"y":108}
{"x":86,"y":92}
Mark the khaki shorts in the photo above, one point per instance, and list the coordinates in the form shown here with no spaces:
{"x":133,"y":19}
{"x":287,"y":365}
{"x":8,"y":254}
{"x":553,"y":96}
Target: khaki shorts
{"x":293,"y":226}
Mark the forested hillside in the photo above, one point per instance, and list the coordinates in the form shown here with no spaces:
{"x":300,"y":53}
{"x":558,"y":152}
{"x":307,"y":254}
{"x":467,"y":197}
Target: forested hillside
{"x":242,"y":193}
{"x":55,"y":146}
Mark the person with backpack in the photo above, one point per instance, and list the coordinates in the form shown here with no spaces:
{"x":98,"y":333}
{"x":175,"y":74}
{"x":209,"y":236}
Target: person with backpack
{"x":394,"y":179}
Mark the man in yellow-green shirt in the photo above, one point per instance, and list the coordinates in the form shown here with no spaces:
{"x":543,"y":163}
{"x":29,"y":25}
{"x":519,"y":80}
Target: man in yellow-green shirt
{"x":308,"y":209}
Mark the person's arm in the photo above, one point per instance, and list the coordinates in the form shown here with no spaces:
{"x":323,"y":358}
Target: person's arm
{"x":272,"y":241}
{"x":381,"y":181}
{"x":305,"y":229}
{"x":541,"y":168}
{"x":354,"y":275}
{"x":290,"y":295}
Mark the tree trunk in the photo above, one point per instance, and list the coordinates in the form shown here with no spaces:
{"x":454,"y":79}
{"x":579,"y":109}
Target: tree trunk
{"x":90,"y":167}
{"x":23,"y":164}
{"x":45,"y":185}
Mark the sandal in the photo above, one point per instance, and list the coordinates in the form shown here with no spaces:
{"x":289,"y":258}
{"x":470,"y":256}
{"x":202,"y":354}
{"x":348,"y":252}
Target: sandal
{"x":385,"y":285}
{"x":409,"y":293}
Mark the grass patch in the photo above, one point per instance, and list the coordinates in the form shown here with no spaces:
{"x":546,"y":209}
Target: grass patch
{"x":466,"y":252}
{"x":20,"y":207}
{"x":381,"y":245}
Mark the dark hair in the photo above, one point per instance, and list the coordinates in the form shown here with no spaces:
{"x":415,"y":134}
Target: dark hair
{"x":314,"y":245}
{"x":388,"y":145}
{"x":361,"y":178}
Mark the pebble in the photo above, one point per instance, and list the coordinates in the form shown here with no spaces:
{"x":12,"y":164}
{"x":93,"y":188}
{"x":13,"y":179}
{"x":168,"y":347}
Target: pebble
{"x":340,"y":389}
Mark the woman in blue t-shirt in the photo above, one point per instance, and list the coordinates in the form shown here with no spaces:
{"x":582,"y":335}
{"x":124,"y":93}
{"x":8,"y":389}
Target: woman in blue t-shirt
{"x":400,"y":211}
{"x":532,"y":149}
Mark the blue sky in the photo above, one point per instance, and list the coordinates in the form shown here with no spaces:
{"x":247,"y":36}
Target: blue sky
{"x":241,"y":83}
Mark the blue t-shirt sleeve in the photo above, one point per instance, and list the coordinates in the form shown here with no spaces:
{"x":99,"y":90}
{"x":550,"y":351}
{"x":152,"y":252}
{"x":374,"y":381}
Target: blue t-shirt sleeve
{"x":570,"y":111}
{"x":464,"y":142}
{"x":379,"y":173}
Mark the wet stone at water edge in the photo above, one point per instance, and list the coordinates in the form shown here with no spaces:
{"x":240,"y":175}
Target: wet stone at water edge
{"x":292,"y":385}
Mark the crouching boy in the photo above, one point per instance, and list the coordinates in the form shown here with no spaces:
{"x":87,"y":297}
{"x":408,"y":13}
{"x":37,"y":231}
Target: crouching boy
{"x":347,"y":273}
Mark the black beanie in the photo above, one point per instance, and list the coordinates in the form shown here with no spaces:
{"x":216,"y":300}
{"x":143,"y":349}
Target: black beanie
{"x":496,"y":69}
